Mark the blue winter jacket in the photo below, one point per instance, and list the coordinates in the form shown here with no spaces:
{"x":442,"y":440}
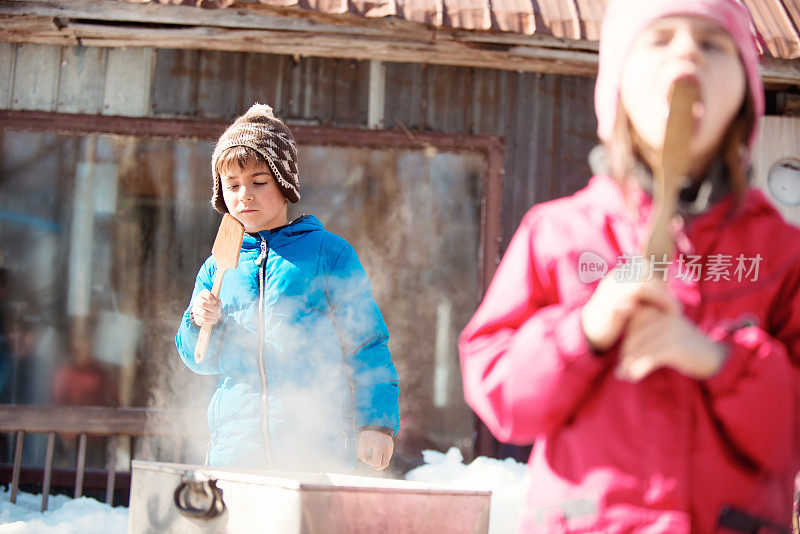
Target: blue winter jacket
{"x":328,"y":370}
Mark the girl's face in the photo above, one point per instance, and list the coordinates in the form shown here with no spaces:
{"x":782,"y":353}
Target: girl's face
{"x":683,"y":47}
{"x":253,"y":197}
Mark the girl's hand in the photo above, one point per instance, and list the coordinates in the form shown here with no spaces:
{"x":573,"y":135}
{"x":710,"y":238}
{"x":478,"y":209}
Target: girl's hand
{"x":375,"y":448}
{"x":613,"y":303}
{"x":206,"y":309}
{"x":657,"y":339}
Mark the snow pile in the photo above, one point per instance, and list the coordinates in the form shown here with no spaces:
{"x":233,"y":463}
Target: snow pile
{"x":63,"y":516}
{"x":507,"y":479}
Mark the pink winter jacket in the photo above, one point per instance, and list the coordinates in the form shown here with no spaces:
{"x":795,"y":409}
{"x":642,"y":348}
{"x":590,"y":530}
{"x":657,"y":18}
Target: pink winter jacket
{"x":664,"y":454}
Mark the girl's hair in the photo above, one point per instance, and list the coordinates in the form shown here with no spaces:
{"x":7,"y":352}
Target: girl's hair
{"x":625,"y":148}
{"x":240,"y":155}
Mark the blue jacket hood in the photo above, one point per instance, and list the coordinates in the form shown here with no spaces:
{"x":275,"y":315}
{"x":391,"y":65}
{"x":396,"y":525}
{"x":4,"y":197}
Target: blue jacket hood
{"x":283,"y":235}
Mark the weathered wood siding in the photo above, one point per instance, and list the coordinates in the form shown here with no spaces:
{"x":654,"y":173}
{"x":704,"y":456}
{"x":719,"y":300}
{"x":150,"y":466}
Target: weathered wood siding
{"x":547,"y":121}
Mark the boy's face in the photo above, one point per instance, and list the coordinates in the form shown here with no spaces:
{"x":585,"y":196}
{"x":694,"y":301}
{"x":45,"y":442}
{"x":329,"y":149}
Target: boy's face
{"x":683,"y":47}
{"x":253,"y":197}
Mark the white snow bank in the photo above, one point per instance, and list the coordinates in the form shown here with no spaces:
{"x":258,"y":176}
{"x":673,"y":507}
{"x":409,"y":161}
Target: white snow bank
{"x":507,"y":479}
{"x":63,"y":516}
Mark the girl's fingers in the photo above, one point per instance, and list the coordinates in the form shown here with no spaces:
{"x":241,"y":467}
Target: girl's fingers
{"x":655,"y":293}
{"x":643,"y":330}
{"x":639,"y":368}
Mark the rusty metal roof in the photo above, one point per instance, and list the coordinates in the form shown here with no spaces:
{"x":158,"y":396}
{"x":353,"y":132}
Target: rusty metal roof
{"x":778,"y":21}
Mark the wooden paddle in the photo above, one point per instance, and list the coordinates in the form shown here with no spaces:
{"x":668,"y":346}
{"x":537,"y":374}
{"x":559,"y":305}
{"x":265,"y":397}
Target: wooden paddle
{"x":670,"y":176}
{"x":226,"y":251}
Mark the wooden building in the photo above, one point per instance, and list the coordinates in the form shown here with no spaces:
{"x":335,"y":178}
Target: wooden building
{"x":427,"y":129}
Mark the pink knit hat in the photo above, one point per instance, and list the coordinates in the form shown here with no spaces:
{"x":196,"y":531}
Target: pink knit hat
{"x":624,"y":20}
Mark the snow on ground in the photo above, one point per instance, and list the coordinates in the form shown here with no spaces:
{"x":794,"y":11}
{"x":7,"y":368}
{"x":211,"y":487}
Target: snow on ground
{"x":63,"y":516}
{"x":507,"y":479}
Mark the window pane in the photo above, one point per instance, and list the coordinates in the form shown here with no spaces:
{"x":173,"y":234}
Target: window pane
{"x":101,"y":238}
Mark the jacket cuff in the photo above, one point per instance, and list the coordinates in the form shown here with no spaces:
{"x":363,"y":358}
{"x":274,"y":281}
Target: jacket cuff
{"x":572,"y":340}
{"x":736,"y":359}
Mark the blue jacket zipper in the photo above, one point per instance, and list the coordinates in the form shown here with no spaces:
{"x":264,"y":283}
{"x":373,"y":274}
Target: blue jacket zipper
{"x":261,"y":261}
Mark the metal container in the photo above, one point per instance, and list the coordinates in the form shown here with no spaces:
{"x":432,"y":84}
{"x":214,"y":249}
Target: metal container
{"x":188,"y":499}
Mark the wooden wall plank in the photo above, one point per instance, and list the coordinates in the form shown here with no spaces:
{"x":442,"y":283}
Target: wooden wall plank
{"x":490,"y":102}
{"x":82,"y":80}
{"x":129,"y":81}
{"x":529,"y":171}
{"x":219,"y":84}
{"x":351,"y":97}
{"x":403,"y":95}
{"x":577,"y":134}
{"x":175,"y":85}
{"x":317,"y":89}
{"x":36,"y":77}
{"x":294,"y":86}
{"x":8,"y":54}
{"x":265,"y":80}
{"x":447,"y":94}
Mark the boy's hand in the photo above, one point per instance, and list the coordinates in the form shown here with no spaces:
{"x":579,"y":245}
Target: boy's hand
{"x":375,"y":448}
{"x":206,"y":309}
{"x":613,"y":303}
{"x":656,"y":339}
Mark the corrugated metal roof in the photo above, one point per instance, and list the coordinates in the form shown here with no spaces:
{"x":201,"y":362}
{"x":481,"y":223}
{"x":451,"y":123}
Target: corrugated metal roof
{"x":579,"y":20}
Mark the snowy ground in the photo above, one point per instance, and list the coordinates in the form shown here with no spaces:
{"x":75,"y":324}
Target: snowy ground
{"x":506,"y":479}
{"x":64,"y":516}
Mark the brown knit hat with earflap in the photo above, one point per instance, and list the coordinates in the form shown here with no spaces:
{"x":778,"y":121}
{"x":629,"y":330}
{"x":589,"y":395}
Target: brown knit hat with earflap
{"x":260,"y":130}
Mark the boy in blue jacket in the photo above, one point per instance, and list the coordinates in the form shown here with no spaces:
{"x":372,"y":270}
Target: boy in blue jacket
{"x":306,"y":379}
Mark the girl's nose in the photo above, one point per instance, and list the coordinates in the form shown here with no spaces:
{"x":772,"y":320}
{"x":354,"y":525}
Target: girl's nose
{"x":685,"y":46}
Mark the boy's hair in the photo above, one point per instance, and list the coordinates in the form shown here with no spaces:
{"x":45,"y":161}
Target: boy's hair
{"x":261,"y":132}
{"x":625,"y":149}
{"x":241,"y":156}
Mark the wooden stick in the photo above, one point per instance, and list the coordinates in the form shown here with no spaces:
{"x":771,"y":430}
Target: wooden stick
{"x":111,"y":465}
{"x":48,"y":470}
{"x":205,"y":331}
{"x":669,"y":176}
{"x":17,"y":466}
{"x":81,"y":466}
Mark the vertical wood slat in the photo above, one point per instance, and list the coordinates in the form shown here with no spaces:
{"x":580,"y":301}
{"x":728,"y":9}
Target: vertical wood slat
{"x":265,"y":81}
{"x":48,"y":470}
{"x":8,"y":53}
{"x":403,"y":95}
{"x":36,"y":77}
{"x":82,"y":79}
{"x":81,"y":467}
{"x":175,"y":83}
{"x":351,"y":104}
{"x":17,"y":465}
{"x":219,"y":85}
{"x":111,"y":466}
{"x":129,"y":81}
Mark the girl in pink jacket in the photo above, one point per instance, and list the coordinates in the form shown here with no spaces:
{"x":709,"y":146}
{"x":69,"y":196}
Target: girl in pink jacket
{"x":661,"y":396}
